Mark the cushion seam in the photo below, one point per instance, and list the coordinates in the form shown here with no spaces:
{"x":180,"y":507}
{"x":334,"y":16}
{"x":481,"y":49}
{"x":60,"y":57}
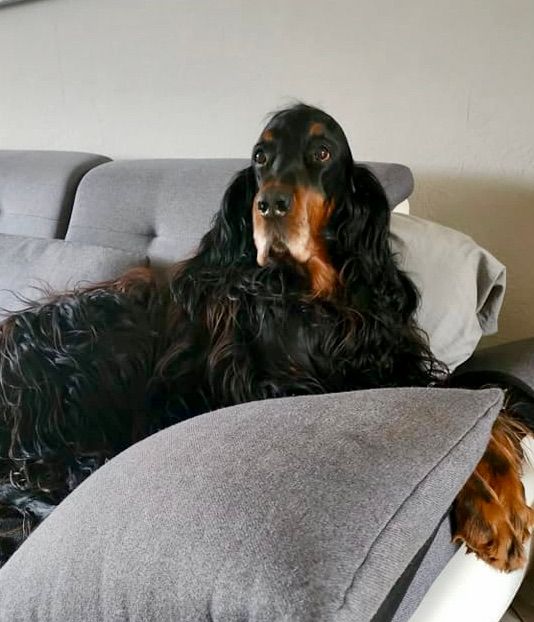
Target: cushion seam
{"x":45,"y":243}
{"x":84,"y":227}
{"x":58,"y":219}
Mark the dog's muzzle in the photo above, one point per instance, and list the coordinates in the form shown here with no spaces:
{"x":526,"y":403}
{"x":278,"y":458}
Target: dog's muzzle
{"x":284,"y":220}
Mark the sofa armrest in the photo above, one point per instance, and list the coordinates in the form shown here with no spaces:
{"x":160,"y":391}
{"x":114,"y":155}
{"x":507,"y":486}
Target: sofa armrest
{"x":511,"y":364}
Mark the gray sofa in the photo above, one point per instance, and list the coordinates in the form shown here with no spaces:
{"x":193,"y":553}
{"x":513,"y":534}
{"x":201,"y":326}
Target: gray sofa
{"x":314,"y":508}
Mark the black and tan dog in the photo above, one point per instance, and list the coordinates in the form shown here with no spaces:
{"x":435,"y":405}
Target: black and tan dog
{"x":293,"y":291}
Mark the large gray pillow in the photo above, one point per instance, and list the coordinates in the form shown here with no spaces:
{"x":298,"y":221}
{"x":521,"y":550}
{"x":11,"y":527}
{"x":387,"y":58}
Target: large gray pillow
{"x":30,"y":265}
{"x":304,"y":509}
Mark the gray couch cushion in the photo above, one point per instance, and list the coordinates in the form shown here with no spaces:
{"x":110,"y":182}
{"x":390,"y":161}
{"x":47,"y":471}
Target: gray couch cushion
{"x":396,"y":179}
{"x":30,"y":265}
{"x":162,"y":207}
{"x":461,"y":284}
{"x":434,"y":559}
{"x":299,"y":509}
{"x":165,"y":206}
{"x":37,"y":190}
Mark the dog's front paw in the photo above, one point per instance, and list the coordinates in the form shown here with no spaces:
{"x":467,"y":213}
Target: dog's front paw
{"x":491,"y":515}
{"x":494,"y":529}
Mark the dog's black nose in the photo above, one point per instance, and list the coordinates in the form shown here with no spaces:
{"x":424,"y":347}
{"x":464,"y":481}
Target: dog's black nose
{"x":263,"y":206}
{"x":274,"y":202}
{"x":281,"y":205}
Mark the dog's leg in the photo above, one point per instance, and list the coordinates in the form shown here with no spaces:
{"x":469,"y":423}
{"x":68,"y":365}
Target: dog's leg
{"x":490,"y":513}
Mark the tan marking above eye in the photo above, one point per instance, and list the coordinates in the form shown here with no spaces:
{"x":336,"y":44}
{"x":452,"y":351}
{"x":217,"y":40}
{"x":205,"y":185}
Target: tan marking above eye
{"x":316,"y":129}
{"x":267,"y":136}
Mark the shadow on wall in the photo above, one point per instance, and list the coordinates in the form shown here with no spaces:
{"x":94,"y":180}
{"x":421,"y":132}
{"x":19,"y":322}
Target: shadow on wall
{"x":499,"y":214}
{"x":4,"y":3}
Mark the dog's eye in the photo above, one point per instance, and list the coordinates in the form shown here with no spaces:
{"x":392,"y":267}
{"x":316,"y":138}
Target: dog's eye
{"x":260,"y":157}
{"x":322,"y":154}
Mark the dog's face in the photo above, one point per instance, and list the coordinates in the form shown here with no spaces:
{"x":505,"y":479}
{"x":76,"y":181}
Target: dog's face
{"x":300,"y":162}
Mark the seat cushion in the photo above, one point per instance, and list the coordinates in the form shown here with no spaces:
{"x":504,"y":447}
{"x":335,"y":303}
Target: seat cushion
{"x":37,"y":190}
{"x":298,"y":509}
{"x":32,"y":267}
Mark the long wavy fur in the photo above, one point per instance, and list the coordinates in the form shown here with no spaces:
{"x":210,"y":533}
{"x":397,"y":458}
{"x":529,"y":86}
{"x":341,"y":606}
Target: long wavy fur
{"x":84,"y":375}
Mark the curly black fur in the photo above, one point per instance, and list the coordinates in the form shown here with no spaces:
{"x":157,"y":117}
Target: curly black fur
{"x":88,"y":373}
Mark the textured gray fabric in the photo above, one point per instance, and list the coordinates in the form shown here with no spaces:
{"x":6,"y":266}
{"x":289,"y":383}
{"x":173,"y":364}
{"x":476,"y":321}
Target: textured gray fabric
{"x":165,"y":206}
{"x":396,"y":179}
{"x":37,"y":190}
{"x":162,"y":207}
{"x":436,"y":558}
{"x":511,"y":362}
{"x":27,"y":265}
{"x":461,"y":284}
{"x":298,"y":510}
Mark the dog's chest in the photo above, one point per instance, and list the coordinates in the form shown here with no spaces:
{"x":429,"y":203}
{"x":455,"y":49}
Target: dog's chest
{"x":297,"y":342}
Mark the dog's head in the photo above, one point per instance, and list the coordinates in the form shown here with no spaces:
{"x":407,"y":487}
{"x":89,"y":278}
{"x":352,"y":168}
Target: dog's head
{"x":300,"y":167}
{"x":302,"y":199}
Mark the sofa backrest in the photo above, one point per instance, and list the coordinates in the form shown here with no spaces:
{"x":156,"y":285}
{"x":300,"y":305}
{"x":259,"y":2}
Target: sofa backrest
{"x":160,"y":206}
{"x":37,"y":190}
{"x":163,"y":207}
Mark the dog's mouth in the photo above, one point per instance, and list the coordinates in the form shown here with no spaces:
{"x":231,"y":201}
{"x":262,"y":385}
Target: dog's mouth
{"x":275,"y":248}
{"x":275,"y":245}
{"x":278,"y":249}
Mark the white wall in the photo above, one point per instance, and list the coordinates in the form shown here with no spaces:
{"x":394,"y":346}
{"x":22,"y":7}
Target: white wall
{"x":445,"y":86}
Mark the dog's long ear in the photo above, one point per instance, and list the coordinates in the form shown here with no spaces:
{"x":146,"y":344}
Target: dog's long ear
{"x":362,"y":219}
{"x":230,"y":239}
{"x":362,"y":242}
